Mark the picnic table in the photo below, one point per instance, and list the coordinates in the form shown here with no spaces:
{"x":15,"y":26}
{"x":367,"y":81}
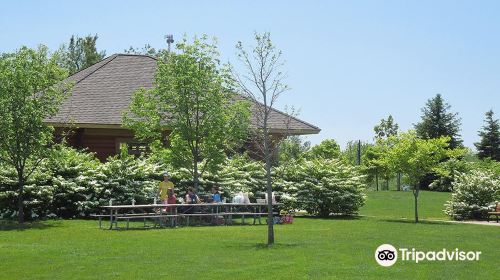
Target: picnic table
{"x":162,"y":212}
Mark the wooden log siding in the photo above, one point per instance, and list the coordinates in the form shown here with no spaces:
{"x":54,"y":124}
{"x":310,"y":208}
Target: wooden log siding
{"x":101,"y":141}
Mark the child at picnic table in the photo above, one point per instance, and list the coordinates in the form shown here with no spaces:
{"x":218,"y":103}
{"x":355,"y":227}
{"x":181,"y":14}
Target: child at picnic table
{"x":171,"y":199}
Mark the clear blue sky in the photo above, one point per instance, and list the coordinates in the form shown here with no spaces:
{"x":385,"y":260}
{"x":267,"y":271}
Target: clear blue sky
{"x":350,"y":63}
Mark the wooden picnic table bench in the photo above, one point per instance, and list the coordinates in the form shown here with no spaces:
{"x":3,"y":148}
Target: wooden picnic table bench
{"x":494,"y":213}
{"x":162,"y":212}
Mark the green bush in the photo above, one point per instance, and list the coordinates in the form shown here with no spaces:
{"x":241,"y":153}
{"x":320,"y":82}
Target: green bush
{"x":474,"y":194}
{"x":59,"y":187}
{"x":125,"y":178}
{"x":71,"y":184}
{"x":446,"y":172}
{"x":323,"y":186}
{"x":242,"y":174}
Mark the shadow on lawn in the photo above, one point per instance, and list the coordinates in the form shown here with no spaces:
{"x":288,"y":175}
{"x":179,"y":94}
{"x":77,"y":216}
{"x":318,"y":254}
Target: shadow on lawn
{"x":335,"y":217}
{"x":6,"y":225}
{"x":425,"y":222}
{"x":263,"y":246}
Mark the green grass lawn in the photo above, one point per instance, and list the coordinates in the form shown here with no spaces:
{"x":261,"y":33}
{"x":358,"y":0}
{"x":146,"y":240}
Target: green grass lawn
{"x":400,"y":205}
{"x":308,"y":249}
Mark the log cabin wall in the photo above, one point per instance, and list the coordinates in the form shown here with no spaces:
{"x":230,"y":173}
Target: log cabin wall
{"x":103,"y":142}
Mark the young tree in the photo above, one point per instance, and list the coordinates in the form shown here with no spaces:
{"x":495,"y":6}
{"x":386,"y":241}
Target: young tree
{"x":327,"y":149}
{"x":191,"y":98}
{"x":30,"y":92}
{"x":489,"y":145}
{"x":292,"y":148}
{"x":386,"y":128}
{"x":80,"y":53}
{"x":352,"y":149}
{"x":263,"y":83}
{"x":383,"y":131}
{"x":416,"y":157}
{"x":372,"y":163}
{"x":437,"y":121}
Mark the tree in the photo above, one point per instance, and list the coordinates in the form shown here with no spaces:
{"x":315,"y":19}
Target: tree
{"x":263,"y":83}
{"x":80,"y":53}
{"x":191,"y":98}
{"x":352,"y":149}
{"x":375,"y":163}
{"x":146,"y":50}
{"x":386,"y":128}
{"x":489,"y":145}
{"x":416,"y":157}
{"x":30,"y":92}
{"x":292,"y":148}
{"x":327,"y":149}
{"x":437,"y":121}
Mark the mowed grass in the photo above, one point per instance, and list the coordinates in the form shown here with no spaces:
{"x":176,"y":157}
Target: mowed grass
{"x":308,"y":249}
{"x":400,"y":205}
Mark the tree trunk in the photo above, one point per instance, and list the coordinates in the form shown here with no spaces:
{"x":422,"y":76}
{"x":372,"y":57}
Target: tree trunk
{"x":20,"y":199}
{"x":386,"y":184}
{"x":270,"y":216}
{"x":196,"y":177}
{"x":415,"y":194}
{"x":376,"y":179}
{"x":399,"y":181}
{"x":269,"y":186}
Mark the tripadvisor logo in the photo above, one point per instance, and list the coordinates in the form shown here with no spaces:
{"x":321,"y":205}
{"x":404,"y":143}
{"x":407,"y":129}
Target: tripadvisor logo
{"x":387,"y":255}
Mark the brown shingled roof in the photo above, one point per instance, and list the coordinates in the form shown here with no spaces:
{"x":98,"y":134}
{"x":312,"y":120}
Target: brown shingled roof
{"x":103,"y":91}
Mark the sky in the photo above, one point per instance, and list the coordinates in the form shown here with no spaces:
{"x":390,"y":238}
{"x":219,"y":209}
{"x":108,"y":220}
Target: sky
{"x":349,"y":63}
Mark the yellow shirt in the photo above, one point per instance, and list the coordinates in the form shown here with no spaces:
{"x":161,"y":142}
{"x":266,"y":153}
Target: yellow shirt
{"x":164,"y":186}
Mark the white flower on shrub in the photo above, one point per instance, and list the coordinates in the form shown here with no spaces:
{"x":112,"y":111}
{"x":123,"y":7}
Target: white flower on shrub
{"x":474,"y":194}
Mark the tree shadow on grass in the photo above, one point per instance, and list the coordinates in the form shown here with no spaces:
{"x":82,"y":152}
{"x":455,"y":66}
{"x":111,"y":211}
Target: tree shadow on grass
{"x":8,"y":225}
{"x":425,"y":222}
{"x":334,"y":217}
{"x":263,"y":246}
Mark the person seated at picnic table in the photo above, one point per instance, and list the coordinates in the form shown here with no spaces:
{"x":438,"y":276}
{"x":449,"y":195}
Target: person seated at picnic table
{"x":216,"y":198}
{"x":192,"y":197}
{"x":164,"y":186}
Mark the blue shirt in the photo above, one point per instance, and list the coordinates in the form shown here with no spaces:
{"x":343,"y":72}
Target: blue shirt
{"x":216,"y":197}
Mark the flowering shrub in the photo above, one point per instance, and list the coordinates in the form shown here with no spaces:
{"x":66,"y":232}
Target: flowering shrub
{"x":59,"y":187}
{"x":474,"y":193}
{"x":125,"y":178}
{"x":74,"y":184}
{"x":323,"y":186}
{"x":242,"y":174}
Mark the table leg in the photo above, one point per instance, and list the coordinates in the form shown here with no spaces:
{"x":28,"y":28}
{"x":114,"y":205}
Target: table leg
{"x":111,"y":218}
{"x":260,"y":216}
{"x":231,"y":215}
{"x":254,"y":216}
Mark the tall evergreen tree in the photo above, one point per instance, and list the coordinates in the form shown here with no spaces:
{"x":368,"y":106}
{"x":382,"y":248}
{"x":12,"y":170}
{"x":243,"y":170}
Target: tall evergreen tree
{"x":489,"y":145}
{"x":80,"y":53}
{"x":437,"y":121}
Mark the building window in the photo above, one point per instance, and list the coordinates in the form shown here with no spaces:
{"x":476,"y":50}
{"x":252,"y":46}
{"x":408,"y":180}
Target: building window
{"x":134,"y":147}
